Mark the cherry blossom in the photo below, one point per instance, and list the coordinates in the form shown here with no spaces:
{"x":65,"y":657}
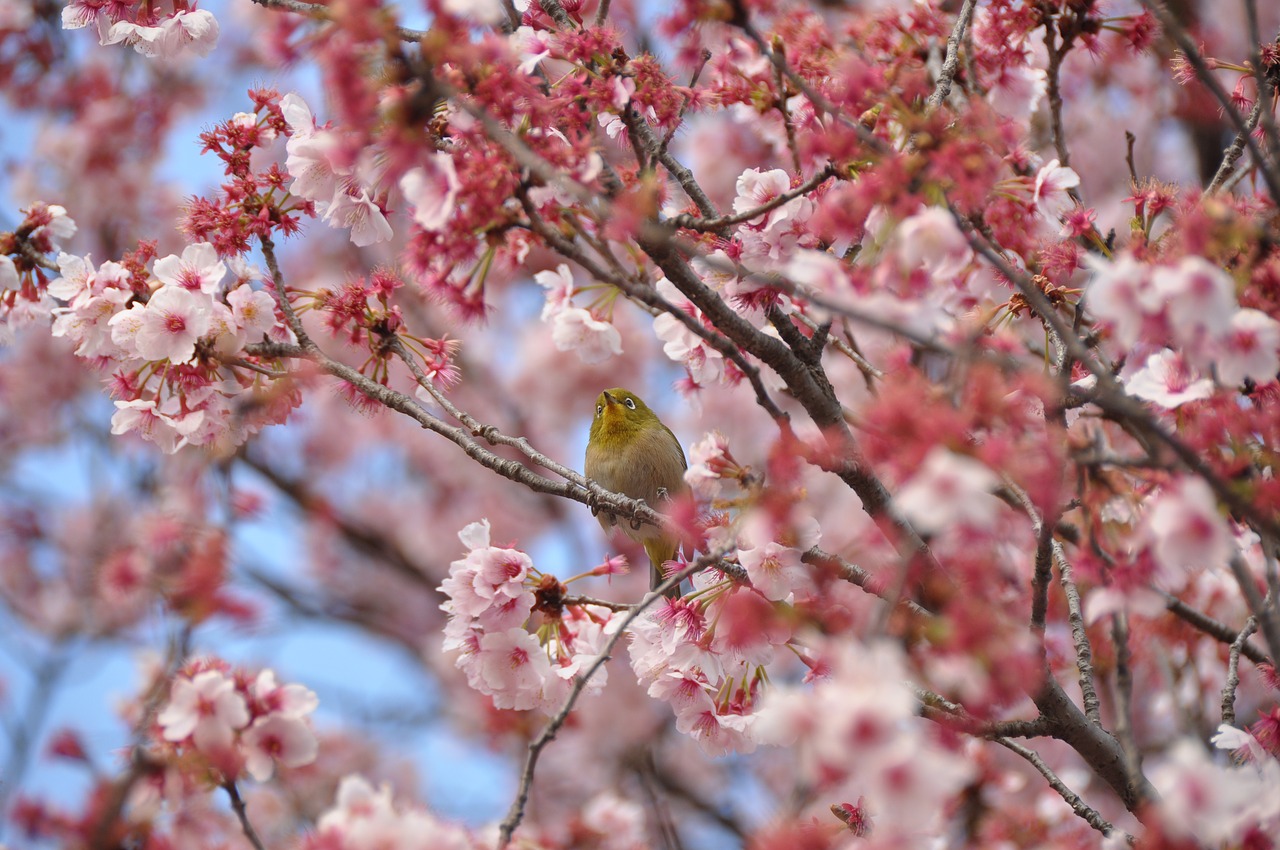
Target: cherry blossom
{"x":1122,"y":293}
{"x":1186,"y":530}
{"x":184,"y":31}
{"x":1052,"y":182}
{"x":592,"y":339}
{"x":198,"y":269}
{"x":949,"y":489}
{"x":1249,"y":350}
{"x":432,"y":190}
{"x":1167,"y":380}
{"x":1199,"y":300}
{"x":207,"y":709}
{"x":1210,"y":802}
{"x":775,"y":568}
{"x":166,"y":327}
{"x":931,"y":240}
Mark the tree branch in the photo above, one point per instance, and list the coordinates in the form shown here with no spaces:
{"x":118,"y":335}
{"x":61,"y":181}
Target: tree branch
{"x":1192,"y":52}
{"x":320,"y":12}
{"x":1233,"y":672}
{"x":951,"y":64}
{"x":516,"y":813}
{"x":237,"y":805}
{"x":1078,"y":805}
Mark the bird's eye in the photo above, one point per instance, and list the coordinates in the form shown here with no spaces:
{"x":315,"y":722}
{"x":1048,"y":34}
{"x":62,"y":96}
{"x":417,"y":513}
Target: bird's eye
{"x":629,"y":403}
{"x":599,"y":409}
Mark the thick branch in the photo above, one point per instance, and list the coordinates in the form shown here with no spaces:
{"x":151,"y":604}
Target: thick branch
{"x":1099,"y":749}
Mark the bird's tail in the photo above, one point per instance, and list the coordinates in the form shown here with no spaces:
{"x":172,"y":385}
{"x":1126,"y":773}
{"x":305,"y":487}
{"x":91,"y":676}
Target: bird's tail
{"x":660,"y":551}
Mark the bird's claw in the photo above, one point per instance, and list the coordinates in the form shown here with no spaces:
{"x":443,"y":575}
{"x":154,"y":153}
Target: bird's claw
{"x":635,"y":519}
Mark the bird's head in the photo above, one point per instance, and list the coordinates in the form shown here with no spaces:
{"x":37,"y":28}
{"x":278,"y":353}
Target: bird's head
{"x":619,"y":410}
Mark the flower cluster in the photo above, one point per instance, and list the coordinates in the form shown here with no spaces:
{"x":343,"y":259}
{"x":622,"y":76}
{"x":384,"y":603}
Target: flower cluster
{"x":236,"y":721}
{"x":146,"y":28}
{"x":1187,"y":321}
{"x":492,"y":595}
{"x":576,"y":329}
{"x":858,"y":737}
{"x":340,"y":189}
{"x":365,"y":818}
{"x":167,"y":334}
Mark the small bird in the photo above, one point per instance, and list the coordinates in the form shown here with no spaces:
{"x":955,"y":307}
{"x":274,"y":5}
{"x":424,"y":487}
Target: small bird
{"x":631,"y":452}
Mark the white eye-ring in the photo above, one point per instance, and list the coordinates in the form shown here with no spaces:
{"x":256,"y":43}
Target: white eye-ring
{"x":599,"y":409}
{"x":629,"y":403}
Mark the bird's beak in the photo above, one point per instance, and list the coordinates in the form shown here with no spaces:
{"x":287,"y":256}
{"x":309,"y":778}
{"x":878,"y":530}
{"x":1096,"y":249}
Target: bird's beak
{"x":608,"y":399}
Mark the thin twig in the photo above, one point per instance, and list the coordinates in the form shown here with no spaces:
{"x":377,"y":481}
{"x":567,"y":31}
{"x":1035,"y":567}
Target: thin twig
{"x":1264,"y":608}
{"x":1192,"y":53}
{"x":1124,"y":694}
{"x":319,"y":12}
{"x":237,"y":805}
{"x":688,"y":222}
{"x":1234,"y":151}
{"x":27,"y":729}
{"x":1211,"y":627}
{"x":854,"y":574}
{"x":951,"y":64}
{"x":602,"y":603}
{"x":1078,"y":805}
{"x":516,"y":813}
{"x":1265,"y":92}
{"x":1233,"y":672}
{"x":139,"y":762}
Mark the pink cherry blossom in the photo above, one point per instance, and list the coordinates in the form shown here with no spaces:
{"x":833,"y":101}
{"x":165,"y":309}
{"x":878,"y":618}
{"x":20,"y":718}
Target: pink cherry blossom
{"x":253,"y":309}
{"x":512,"y":666}
{"x":1052,"y":183}
{"x":708,"y":459}
{"x":560,"y":290}
{"x":1199,"y":300}
{"x":432,"y":189}
{"x":756,"y":187}
{"x":182,"y":32}
{"x":593,"y":340}
{"x":1250,"y":349}
{"x":531,"y":46}
{"x":352,"y":208}
{"x":1166,"y":379}
{"x":948,"y":490}
{"x":162,"y":424}
{"x":1122,"y":294}
{"x":775,"y":567}
{"x":705,"y":364}
{"x":277,"y":739}
{"x":1188,"y":533}
{"x":931,"y":240}
{"x":206,"y":709}
{"x":170,"y":324}
{"x":1213,"y":803}
{"x":1017,"y":91}
{"x":198,"y":269}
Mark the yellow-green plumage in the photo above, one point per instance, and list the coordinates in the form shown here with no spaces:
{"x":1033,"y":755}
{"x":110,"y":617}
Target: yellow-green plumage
{"x":631,"y":452}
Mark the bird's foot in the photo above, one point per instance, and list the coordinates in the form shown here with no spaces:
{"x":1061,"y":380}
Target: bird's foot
{"x":635,"y":518}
